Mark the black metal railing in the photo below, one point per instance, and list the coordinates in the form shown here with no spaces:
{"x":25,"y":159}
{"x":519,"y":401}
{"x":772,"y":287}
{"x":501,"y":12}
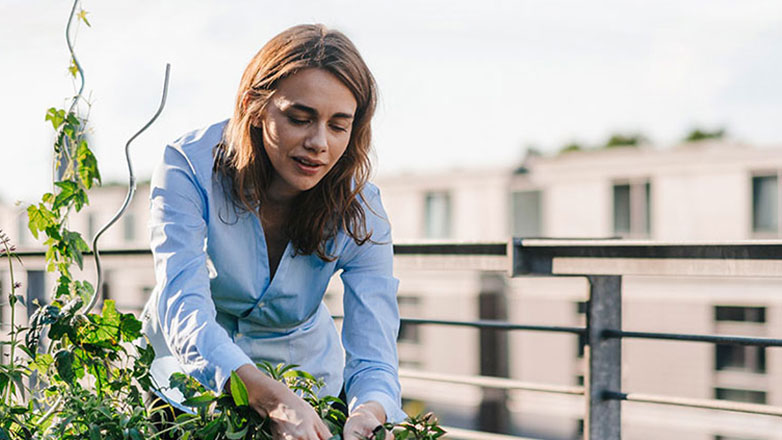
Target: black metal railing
{"x":603,"y":263}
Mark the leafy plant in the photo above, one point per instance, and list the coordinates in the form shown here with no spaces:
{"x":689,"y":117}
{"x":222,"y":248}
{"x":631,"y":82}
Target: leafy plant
{"x":73,"y":374}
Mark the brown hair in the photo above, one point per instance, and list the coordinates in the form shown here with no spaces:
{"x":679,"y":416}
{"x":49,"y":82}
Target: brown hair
{"x":316,"y":214}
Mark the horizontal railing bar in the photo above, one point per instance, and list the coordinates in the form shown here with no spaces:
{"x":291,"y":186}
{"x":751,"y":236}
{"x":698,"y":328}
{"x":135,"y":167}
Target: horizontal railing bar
{"x":491,"y":382}
{"x":739,"y":250}
{"x":723,"y":405}
{"x":451,"y":248}
{"x":467,"y":434}
{"x":490,"y":324}
{"x":716,"y":339}
{"x":498,"y":325}
{"x":106,"y":252}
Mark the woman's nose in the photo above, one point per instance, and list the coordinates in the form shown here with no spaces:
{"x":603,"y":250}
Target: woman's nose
{"x":317,"y":141}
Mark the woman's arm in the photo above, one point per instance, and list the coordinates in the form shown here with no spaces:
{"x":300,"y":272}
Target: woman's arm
{"x":185,"y":311}
{"x":371,"y":322}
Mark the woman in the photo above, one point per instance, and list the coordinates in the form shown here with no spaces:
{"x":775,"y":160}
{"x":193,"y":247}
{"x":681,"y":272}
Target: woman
{"x":251,"y":217}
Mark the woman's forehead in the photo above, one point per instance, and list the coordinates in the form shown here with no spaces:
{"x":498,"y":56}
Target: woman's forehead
{"x":315,"y":89}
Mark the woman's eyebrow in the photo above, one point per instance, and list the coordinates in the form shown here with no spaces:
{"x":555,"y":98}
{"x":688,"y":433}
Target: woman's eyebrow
{"x":312,"y":111}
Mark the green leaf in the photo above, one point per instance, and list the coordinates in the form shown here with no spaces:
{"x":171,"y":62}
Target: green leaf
{"x":39,"y":219}
{"x":235,"y":435}
{"x":67,"y":193}
{"x":201,"y":401}
{"x":64,"y":361}
{"x":95,"y":432}
{"x":109,"y":313}
{"x":56,"y":116}
{"x":4,"y":380}
{"x":75,"y":246}
{"x":42,"y":363}
{"x":129,"y":327}
{"x":238,"y":390}
{"x":72,"y":68}
{"x":82,"y":15}
{"x":87,"y":165}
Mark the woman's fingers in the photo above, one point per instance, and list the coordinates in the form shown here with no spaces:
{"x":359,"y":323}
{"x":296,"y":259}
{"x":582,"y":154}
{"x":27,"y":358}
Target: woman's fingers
{"x":323,"y":431}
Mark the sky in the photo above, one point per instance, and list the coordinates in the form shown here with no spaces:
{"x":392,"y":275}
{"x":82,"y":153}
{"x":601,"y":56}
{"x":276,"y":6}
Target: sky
{"x":463,"y":84}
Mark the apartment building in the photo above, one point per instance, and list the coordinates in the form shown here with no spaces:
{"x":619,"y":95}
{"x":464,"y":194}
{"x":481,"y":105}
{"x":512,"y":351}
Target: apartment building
{"x":705,"y":191}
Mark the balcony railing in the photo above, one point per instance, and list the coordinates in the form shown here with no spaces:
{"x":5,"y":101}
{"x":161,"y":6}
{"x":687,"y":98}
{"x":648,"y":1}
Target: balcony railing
{"x":603,"y":263}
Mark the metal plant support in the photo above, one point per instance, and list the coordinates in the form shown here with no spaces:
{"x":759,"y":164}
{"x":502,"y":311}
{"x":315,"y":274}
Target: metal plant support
{"x":132,"y":177}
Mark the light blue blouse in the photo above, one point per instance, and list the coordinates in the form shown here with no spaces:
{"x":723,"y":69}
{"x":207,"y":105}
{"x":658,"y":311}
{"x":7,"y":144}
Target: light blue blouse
{"x":215,"y":308}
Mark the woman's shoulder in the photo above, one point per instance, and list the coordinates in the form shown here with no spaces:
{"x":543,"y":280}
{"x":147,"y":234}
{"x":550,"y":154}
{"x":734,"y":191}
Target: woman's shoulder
{"x":197,"y":147}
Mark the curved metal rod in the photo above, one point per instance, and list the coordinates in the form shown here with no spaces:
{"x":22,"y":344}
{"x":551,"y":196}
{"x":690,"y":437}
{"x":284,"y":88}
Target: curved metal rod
{"x":128,"y":198}
{"x":67,"y":154}
{"x":73,"y":55}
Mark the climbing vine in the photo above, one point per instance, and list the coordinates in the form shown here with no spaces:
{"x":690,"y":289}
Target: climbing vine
{"x":72,"y":373}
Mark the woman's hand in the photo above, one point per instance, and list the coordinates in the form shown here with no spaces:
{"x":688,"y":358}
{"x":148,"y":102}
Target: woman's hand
{"x":363,"y":421}
{"x":292,"y":417}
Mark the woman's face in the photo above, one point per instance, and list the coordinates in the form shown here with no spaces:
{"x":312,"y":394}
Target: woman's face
{"x":306,"y":129}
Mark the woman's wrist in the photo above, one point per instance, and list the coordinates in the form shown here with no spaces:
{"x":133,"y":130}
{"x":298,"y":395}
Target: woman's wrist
{"x":372,"y":407}
{"x":263,"y":392}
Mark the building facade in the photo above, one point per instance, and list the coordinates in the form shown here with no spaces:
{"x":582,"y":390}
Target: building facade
{"x":705,"y":191}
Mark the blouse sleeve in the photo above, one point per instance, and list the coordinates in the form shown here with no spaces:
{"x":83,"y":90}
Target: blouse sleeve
{"x":371,"y":321}
{"x":185,"y":309}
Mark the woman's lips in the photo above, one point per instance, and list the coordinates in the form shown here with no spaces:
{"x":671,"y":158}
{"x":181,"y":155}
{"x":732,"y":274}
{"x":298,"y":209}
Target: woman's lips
{"x":308,"y":167}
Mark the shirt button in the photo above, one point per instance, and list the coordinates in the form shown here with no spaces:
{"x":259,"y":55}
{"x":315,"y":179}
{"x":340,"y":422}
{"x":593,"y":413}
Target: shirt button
{"x":238,"y":335}
{"x":261,"y":304}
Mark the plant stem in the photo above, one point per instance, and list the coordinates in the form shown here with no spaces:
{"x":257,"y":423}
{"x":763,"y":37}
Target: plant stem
{"x":12,"y":301}
{"x":175,"y":426}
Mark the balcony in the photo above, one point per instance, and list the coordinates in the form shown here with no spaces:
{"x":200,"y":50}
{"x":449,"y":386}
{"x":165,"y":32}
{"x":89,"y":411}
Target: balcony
{"x":477,"y":355}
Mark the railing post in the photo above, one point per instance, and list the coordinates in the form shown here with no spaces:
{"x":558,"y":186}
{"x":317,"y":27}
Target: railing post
{"x":493,"y":415}
{"x":604,"y":359}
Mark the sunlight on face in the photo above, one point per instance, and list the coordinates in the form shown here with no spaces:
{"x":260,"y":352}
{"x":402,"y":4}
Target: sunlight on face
{"x":306,"y":129}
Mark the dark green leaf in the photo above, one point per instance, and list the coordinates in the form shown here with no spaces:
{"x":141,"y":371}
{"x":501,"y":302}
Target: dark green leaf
{"x":67,"y":192}
{"x":130,"y":327}
{"x":64,"y":362}
{"x":235,"y":435}
{"x":95,"y":432}
{"x":201,"y":401}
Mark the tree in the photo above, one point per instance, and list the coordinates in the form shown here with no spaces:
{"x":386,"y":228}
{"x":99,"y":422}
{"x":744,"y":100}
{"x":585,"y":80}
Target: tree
{"x":697,"y":134}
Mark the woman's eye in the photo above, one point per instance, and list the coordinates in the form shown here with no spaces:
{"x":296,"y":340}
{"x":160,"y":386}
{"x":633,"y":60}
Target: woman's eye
{"x":339,"y":128}
{"x":297,"y":121}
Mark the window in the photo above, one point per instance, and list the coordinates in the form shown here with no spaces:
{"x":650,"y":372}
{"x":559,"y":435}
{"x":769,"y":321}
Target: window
{"x":581,"y":310}
{"x":632,"y":212}
{"x":738,"y":395}
{"x":527,"y":214}
{"x":765,"y":204}
{"x":36,"y":290}
{"x":91,"y":226}
{"x":129,"y":227}
{"x":740,"y":358}
{"x":408,"y":307}
{"x":22,"y":229}
{"x":408,"y":333}
{"x":438,"y":215}
{"x":740,"y":314}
